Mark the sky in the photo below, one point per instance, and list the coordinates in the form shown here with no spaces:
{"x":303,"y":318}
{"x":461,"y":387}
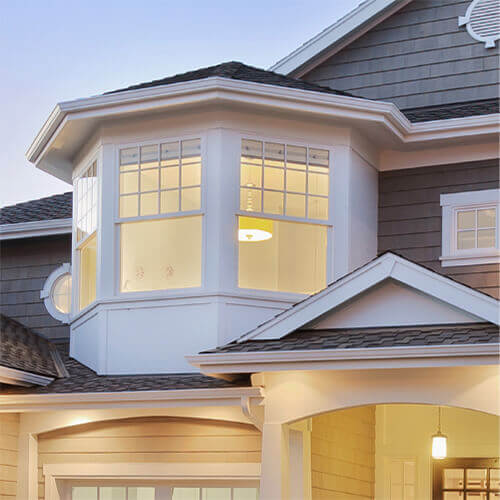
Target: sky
{"x":58,"y":50}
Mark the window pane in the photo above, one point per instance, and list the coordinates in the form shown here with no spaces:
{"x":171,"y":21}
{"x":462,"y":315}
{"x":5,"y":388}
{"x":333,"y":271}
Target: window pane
{"x":129,"y":159}
{"x":251,"y":149}
{"x":149,"y":204}
{"x":486,"y":218}
{"x":453,"y":479}
{"x":129,"y":206}
{"x":169,"y":153}
{"x":295,"y":205}
{"x":466,"y":240}
{"x":274,"y":154}
{"x":319,"y":157}
{"x":186,"y":494}
{"x":88,"y":271}
{"x":495,"y":479}
{"x":478,"y":495}
{"x":141,"y":493}
{"x":317,"y":208}
{"x":191,"y":175}
{"x":318,"y":184}
{"x":149,"y":156}
{"x":150,"y":180}
{"x":250,"y":200}
{"x":475,"y":478}
{"x":274,"y":178}
{"x":216,"y":494}
{"x":61,"y":293}
{"x":169,"y":201}
{"x":292,"y":260}
{"x":295,"y":181}
{"x":296,"y":157}
{"x":251,"y":176}
{"x":453,"y":495}
{"x":169,"y":177}
{"x":466,"y":219}
{"x":161,"y":254}
{"x":84,"y":493}
{"x":112,"y":493}
{"x":245,"y":494}
{"x":273,"y":202}
{"x":191,"y":148}
{"x":485,"y":238}
{"x":190,"y":199}
{"x":129,"y":182}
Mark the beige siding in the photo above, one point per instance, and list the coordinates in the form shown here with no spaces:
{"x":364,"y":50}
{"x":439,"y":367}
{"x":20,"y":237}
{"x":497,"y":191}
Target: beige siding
{"x":150,"y":440}
{"x":343,"y":454}
{"x":9,"y":431}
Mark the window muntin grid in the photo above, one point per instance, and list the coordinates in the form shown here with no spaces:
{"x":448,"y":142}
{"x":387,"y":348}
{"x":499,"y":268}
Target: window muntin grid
{"x":61,"y":293}
{"x":160,"y":179}
{"x":476,"y":228}
{"x":284,"y":179}
{"x":86,"y":203}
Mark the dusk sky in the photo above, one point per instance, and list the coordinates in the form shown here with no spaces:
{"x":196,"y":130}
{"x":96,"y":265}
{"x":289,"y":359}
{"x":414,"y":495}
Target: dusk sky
{"x":59,"y":50}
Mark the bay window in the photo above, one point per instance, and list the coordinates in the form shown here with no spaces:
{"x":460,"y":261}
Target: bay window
{"x":86,"y":189}
{"x":160,"y":216}
{"x":284,"y":217}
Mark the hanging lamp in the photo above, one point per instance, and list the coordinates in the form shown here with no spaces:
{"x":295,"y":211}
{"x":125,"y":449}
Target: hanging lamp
{"x":439,"y":441}
{"x":252,"y":229}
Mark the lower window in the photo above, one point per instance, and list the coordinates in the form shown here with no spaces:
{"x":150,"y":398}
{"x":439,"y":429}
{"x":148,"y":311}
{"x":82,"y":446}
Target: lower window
{"x":281,"y":256}
{"x":466,"y":479}
{"x":161,"y":254}
{"x":88,"y":271}
{"x":162,"y":493}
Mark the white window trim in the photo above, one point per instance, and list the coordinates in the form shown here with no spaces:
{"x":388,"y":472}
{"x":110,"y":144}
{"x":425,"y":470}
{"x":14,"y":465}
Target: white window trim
{"x":453,"y":202}
{"x":118,"y":221}
{"x":46,"y":292}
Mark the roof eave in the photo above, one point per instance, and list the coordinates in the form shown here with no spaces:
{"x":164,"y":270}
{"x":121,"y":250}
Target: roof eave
{"x":34,"y":229}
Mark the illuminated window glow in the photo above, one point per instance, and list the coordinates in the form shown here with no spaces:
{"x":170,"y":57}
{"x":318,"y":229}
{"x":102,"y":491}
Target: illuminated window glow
{"x":88,"y":271}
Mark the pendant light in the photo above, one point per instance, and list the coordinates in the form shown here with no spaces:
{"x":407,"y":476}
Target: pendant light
{"x":252,"y":229}
{"x":439,"y":441}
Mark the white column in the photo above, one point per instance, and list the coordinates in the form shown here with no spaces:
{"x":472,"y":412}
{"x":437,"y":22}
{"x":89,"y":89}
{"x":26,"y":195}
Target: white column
{"x":27,"y":467}
{"x":274,"y":475}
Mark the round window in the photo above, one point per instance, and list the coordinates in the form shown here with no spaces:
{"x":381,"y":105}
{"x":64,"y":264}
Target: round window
{"x":61,"y":293}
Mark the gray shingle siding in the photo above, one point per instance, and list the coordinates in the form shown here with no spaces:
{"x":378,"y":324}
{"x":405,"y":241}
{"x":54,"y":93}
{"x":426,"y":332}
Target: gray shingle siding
{"x":410,"y":216}
{"x":417,"y":57}
{"x":25,"y":265}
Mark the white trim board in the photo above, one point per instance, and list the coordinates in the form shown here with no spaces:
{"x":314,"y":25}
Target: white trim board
{"x":23,"y":378}
{"x":387,"y":266}
{"x":335,"y":37}
{"x":35,"y":228}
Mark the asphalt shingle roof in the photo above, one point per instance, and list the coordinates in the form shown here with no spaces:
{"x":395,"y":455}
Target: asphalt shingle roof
{"x":22,"y":349}
{"x":83,"y":379}
{"x":236,"y":71}
{"x":351,"y":338}
{"x":58,"y":206}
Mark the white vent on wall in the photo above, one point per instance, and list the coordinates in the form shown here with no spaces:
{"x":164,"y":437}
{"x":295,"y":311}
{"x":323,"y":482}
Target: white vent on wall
{"x":483,"y":21}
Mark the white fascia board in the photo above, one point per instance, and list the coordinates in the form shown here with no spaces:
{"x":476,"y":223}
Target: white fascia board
{"x":349,"y":359}
{"x":230,"y":396}
{"x":384,"y":267}
{"x":35,"y":228}
{"x":365,"y":16}
{"x":217,"y":89}
{"x":12,"y":376}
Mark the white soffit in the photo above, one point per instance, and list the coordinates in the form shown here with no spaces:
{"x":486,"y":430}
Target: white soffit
{"x":386,"y":267}
{"x":336,"y":36}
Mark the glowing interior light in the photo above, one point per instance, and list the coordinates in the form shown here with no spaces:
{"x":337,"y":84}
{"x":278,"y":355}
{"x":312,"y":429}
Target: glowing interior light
{"x":252,"y":229}
{"x":439,"y":446}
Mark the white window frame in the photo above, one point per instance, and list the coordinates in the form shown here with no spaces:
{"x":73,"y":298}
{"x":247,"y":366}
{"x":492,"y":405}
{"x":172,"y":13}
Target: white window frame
{"x":76,"y":245}
{"x":46,"y":293}
{"x":452,"y":204}
{"x":118,"y":221}
{"x":328,"y":223}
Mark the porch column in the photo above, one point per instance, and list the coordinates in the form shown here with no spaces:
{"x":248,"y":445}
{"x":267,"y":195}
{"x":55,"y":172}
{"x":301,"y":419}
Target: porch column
{"x":274,"y":474}
{"x":27,"y":467}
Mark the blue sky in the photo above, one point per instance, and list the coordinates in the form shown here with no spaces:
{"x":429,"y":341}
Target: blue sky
{"x":58,"y":50}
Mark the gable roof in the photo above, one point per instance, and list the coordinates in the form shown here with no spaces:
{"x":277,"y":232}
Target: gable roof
{"x":24,"y":352}
{"x":365,"y":16}
{"x":234,"y":70}
{"x":387,"y":266}
{"x":58,"y":206}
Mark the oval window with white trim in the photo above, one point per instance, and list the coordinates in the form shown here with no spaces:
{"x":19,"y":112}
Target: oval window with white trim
{"x":56,"y":293}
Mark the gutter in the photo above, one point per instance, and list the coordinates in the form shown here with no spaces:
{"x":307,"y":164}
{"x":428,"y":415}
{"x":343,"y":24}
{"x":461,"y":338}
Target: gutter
{"x":35,"y":229}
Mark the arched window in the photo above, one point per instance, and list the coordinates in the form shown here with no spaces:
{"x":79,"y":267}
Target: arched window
{"x":56,"y":293}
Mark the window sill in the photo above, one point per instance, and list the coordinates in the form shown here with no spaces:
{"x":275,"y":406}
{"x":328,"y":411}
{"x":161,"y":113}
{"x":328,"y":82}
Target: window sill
{"x":470,"y":259}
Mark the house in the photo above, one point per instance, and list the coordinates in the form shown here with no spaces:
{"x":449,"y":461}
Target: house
{"x":274,"y":284}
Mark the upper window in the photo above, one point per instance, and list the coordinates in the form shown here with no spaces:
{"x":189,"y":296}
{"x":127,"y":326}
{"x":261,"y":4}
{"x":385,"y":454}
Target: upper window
{"x":470,"y":228}
{"x":56,"y":293}
{"x":86,"y":189}
{"x":283,"y":220}
{"x":160,"y":216}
